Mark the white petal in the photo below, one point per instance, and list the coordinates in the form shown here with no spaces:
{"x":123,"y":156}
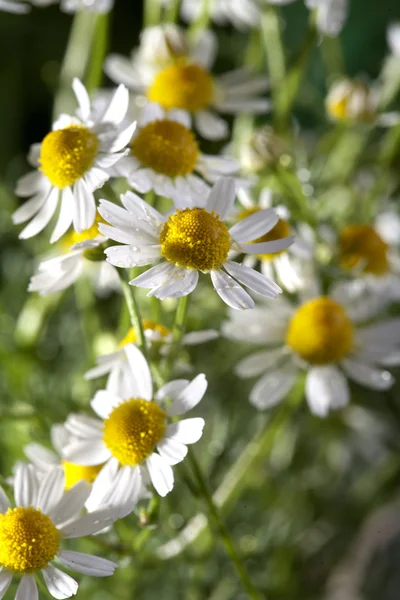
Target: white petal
{"x":84,"y":206}
{"x":43,"y":217}
{"x":5,"y":581}
{"x":199,"y":337}
{"x":71,"y":503}
{"x":124,"y":491}
{"x":189,"y":397}
{"x":187,"y":431}
{"x":30,"y":208}
{"x":88,"y":452}
{"x":230,"y":291}
{"x":172,"y":389}
{"x":161,"y":474}
{"x":180,"y":116}
{"x":326,"y":389}
{"x":211,"y":126}
{"x":83,"y":426}
{"x":118,"y":106}
{"x":82,"y":97}
{"x":181,"y":283}
{"x":104,"y":403}
{"x":156,"y":276}
{"x":151,"y":112}
{"x":121,"y":70}
{"x":368,"y":376}
{"x":172,"y":451}
{"x":87,"y":564}
{"x":132,"y":256}
{"x":142,"y":386}
{"x":51,"y":490}
{"x":59,"y":584}
{"x":41,"y":457}
{"x":258,"y":363}
{"x":4,"y":502}
{"x":255,"y":225}
{"x":65,"y":216}
{"x":90,"y":523}
{"x":25,"y":485}
{"x":222,"y":197}
{"x":27,"y":589}
{"x":122,"y":139}
{"x":205,"y":49}
{"x":30,"y":184}
{"x":268,"y":247}
{"x":273,"y":387}
{"x":253,"y":280}
{"x":102,"y":484}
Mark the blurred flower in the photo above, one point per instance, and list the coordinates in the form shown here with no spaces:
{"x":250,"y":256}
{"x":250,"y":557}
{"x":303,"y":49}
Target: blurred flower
{"x":331,"y":15}
{"x":97,"y":6}
{"x":175,"y":73}
{"x":351,"y":100}
{"x":194,"y":239}
{"x":393,"y":37}
{"x":85,"y":254}
{"x":32,"y":532}
{"x":241,"y":13}
{"x":14,"y":6}
{"x":135,"y":425}
{"x":157,"y":337}
{"x":165,"y":157}
{"x":293,"y":266}
{"x":261,"y":150}
{"x":324,"y":336}
{"x":72,"y":161}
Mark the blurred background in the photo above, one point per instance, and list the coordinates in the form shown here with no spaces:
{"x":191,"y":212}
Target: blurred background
{"x":301,"y":510}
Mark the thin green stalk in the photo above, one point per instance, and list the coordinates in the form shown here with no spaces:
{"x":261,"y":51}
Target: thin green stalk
{"x":152,"y":13}
{"x":202,"y":21}
{"x":172,"y":11}
{"x":223,"y":531}
{"x":180,"y":319}
{"x":98,"y":52}
{"x":75,"y":60}
{"x":134,"y":312}
{"x":275,"y":56}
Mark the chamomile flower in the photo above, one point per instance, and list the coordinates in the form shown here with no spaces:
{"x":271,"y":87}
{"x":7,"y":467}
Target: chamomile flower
{"x":71,"y":162}
{"x":32,"y":533}
{"x":137,"y":432}
{"x":324,"y":336}
{"x":331,"y":15}
{"x":352,"y":101}
{"x":370,"y":253}
{"x":85,"y":255}
{"x":177,"y":75}
{"x":292,"y":267}
{"x":193,"y":239}
{"x":165,"y":157}
{"x":158,"y":338}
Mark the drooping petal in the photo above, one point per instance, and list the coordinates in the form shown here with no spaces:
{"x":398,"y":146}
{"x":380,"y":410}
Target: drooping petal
{"x":172,"y":451}
{"x":271,"y":389}
{"x":27,"y":589}
{"x":71,"y":503}
{"x":187,"y":431}
{"x":142,"y":386}
{"x":59,"y":584}
{"x":161,"y":474}
{"x":368,"y":376}
{"x":257,"y":363}
{"x":253,"y":279}
{"x":87,"y":564}
{"x":222,"y":197}
{"x":230,"y":291}
{"x":189,"y":397}
{"x":5,"y":581}
{"x":326,"y":389}
{"x":43,"y":217}
{"x":88,"y":452}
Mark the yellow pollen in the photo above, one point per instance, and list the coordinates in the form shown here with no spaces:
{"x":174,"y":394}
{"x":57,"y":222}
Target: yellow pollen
{"x":167,"y":147}
{"x":350,"y":101}
{"x":182,"y":86}
{"x":195,"y":239}
{"x":88,"y":234}
{"x":130,"y":337}
{"x":361,"y":246}
{"x":75,"y":473}
{"x":133,"y":429}
{"x":280,"y":230}
{"x":66,"y":154}
{"x":28,"y":540}
{"x":320,"y":331}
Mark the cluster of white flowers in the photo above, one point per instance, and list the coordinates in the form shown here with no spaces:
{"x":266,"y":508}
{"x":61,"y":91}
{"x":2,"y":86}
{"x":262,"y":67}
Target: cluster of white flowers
{"x":186,"y":213}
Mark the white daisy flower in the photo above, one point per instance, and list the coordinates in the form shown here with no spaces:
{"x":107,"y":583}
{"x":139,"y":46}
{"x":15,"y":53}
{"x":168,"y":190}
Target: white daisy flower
{"x":14,"y":6}
{"x":165,"y":157}
{"x":331,"y":15}
{"x":323,"y":336}
{"x":177,"y":75}
{"x":193,"y":239}
{"x":71,"y":162}
{"x":352,"y":100}
{"x":85,"y":255}
{"x":370,"y":253}
{"x":292,"y":267}
{"x":138,"y":432}
{"x":31,"y":534}
{"x":158,"y":338}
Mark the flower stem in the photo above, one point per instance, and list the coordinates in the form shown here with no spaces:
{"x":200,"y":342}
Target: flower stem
{"x":134,"y":312}
{"x":98,"y":52}
{"x":152,"y":13}
{"x":172,"y":11}
{"x":180,"y":319}
{"x":275,"y":60}
{"x":223,"y":531}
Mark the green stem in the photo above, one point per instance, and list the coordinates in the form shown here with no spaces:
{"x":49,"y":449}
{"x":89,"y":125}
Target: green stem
{"x":172,"y":11}
{"x":275,"y":60}
{"x":76,"y":58}
{"x":180,"y":319}
{"x":223,"y":531}
{"x":98,"y":52}
{"x":202,"y":21}
{"x":152,"y":13}
{"x":134,"y":312}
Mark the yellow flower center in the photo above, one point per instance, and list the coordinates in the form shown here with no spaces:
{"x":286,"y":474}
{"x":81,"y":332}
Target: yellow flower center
{"x":167,"y":147}
{"x":280,"y":230}
{"x":130,"y":337}
{"x":320,"y":331}
{"x":75,"y":473}
{"x":70,"y":239}
{"x":350,"y":101}
{"x":360,"y":245}
{"x":182,"y":86}
{"x":28,"y":540}
{"x":195,"y":239}
{"x":66,"y":154}
{"x":133,"y":429}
